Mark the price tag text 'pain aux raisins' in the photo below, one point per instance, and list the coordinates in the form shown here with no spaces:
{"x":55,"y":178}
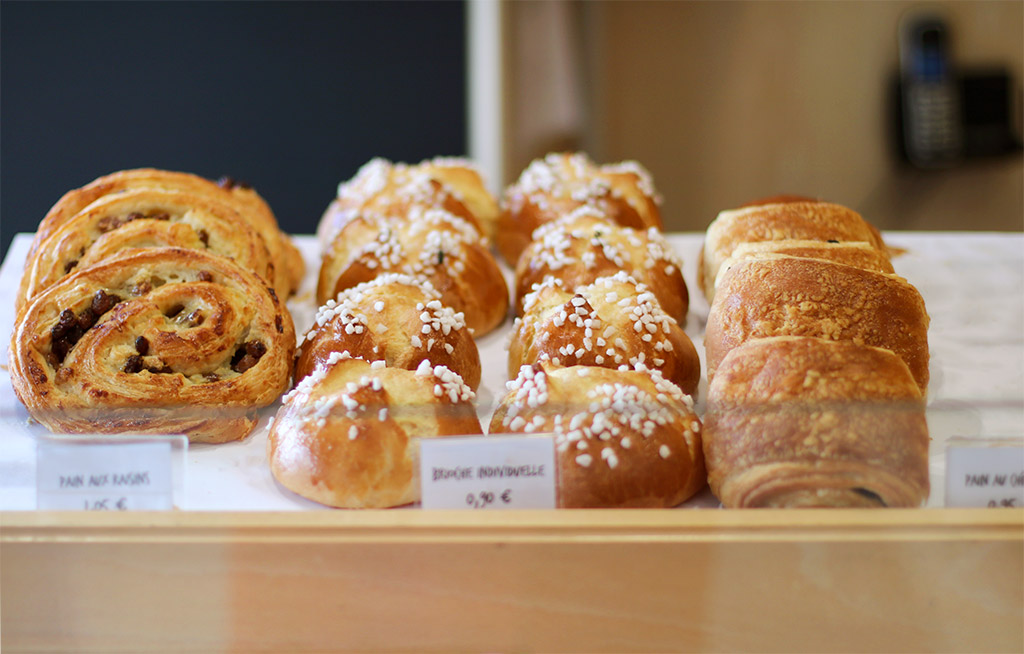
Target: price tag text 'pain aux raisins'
{"x":77,"y":476}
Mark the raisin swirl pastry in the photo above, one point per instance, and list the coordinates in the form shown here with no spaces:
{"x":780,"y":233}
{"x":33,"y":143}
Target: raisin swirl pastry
{"x":585,"y":246}
{"x":347,"y":435}
{"x":556,"y":185}
{"x":153,"y":340}
{"x":623,"y":438}
{"x":611,"y":322}
{"x":429,"y":244}
{"x":385,"y":188}
{"x":144,"y":218}
{"x":394,"y":318}
{"x":806,"y":422}
{"x":289,"y":266}
{"x":785,"y":220}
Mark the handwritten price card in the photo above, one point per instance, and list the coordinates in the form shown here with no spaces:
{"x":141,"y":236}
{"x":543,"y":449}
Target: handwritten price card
{"x":980,"y":476}
{"x":105,"y":476}
{"x":489,"y":472}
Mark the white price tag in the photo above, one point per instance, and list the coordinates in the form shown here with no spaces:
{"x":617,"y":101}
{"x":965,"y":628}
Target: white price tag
{"x":90,"y":475}
{"x":488,"y":472}
{"x":989,"y":476}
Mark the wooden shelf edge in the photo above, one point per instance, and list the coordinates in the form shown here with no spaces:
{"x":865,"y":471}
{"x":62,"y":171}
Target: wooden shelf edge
{"x":517,"y":526}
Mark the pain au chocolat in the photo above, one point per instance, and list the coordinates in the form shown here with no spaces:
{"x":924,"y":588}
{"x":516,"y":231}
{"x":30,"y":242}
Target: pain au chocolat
{"x":796,"y":421}
{"x":786,"y":219}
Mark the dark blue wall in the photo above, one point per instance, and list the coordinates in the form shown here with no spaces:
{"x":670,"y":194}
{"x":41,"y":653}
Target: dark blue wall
{"x":291,"y":97}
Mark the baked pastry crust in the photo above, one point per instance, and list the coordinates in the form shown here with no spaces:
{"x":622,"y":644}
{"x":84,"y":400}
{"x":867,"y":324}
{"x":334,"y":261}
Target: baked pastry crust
{"x":153,"y":340}
{"x":789,"y":220}
{"x":624,"y":438}
{"x":289,"y":265}
{"x":394,"y":318}
{"x":611,"y":322}
{"x":556,"y":185}
{"x":383,"y":188}
{"x":348,"y":435}
{"x":429,"y":244}
{"x":144,"y":217}
{"x":778,"y":295}
{"x":585,"y":246}
{"x":857,"y":254}
{"x":799,"y":421}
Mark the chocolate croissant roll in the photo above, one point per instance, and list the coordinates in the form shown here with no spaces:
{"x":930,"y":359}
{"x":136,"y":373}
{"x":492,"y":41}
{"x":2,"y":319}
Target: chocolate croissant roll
{"x":558,"y":184}
{"x":789,"y":296}
{"x":144,"y":217}
{"x":784,"y":220}
{"x":153,"y":340}
{"x":384,"y":188}
{"x":611,"y":322}
{"x":347,"y":436}
{"x":585,"y":246}
{"x":857,"y":254}
{"x":289,"y":267}
{"x":623,"y":438}
{"x":394,"y":318}
{"x":429,"y":244}
{"x":801,"y":422}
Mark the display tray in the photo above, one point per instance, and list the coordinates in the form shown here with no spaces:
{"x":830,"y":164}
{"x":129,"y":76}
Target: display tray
{"x":248,"y":566}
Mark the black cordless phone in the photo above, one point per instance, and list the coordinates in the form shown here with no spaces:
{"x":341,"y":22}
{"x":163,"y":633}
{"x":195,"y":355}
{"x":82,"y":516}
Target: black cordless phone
{"x":932,"y":125}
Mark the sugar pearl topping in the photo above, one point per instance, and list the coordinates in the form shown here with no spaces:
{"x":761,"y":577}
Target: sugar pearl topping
{"x":412,"y":184}
{"x":607,"y":417}
{"x":594,"y":315}
{"x":447,"y":383}
{"x":420,"y":243}
{"x":586,"y":237}
{"x":348,"y":312}
{"x":576,"y":177}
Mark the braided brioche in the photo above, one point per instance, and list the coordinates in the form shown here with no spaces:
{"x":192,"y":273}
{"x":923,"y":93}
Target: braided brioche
{"x":623,"y":438}
{"x":556,"y":185}
{"x":346,"y":436}
{"x":394,"y":318}
{"x":611,"y":322}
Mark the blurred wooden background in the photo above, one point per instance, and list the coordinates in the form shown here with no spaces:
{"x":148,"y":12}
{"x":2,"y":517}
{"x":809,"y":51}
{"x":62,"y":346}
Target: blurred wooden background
{"x":726,"y":102}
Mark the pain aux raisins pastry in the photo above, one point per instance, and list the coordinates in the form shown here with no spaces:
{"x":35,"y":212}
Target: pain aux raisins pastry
{"x":809,"y":422}
{"x":384,"y":188}
{"x":289,"y":266}
{"x":556,"y":185}
{"x":144,"y":217}
{"x":394,"y":318}
{"x":623,"y":438}
{"x":787,"y":220}
{"x":153,"y":340}
{"x":429,"y":244}
{"x":611,"y":322}
{"x":584,"y":246}
{"x":347,"y":435}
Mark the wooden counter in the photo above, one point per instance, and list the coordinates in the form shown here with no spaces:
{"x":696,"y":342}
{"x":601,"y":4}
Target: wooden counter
{"x":895,"y":580}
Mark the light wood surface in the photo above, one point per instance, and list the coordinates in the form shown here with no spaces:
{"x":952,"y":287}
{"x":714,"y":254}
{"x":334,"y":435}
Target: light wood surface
{"x":709,"y":580}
